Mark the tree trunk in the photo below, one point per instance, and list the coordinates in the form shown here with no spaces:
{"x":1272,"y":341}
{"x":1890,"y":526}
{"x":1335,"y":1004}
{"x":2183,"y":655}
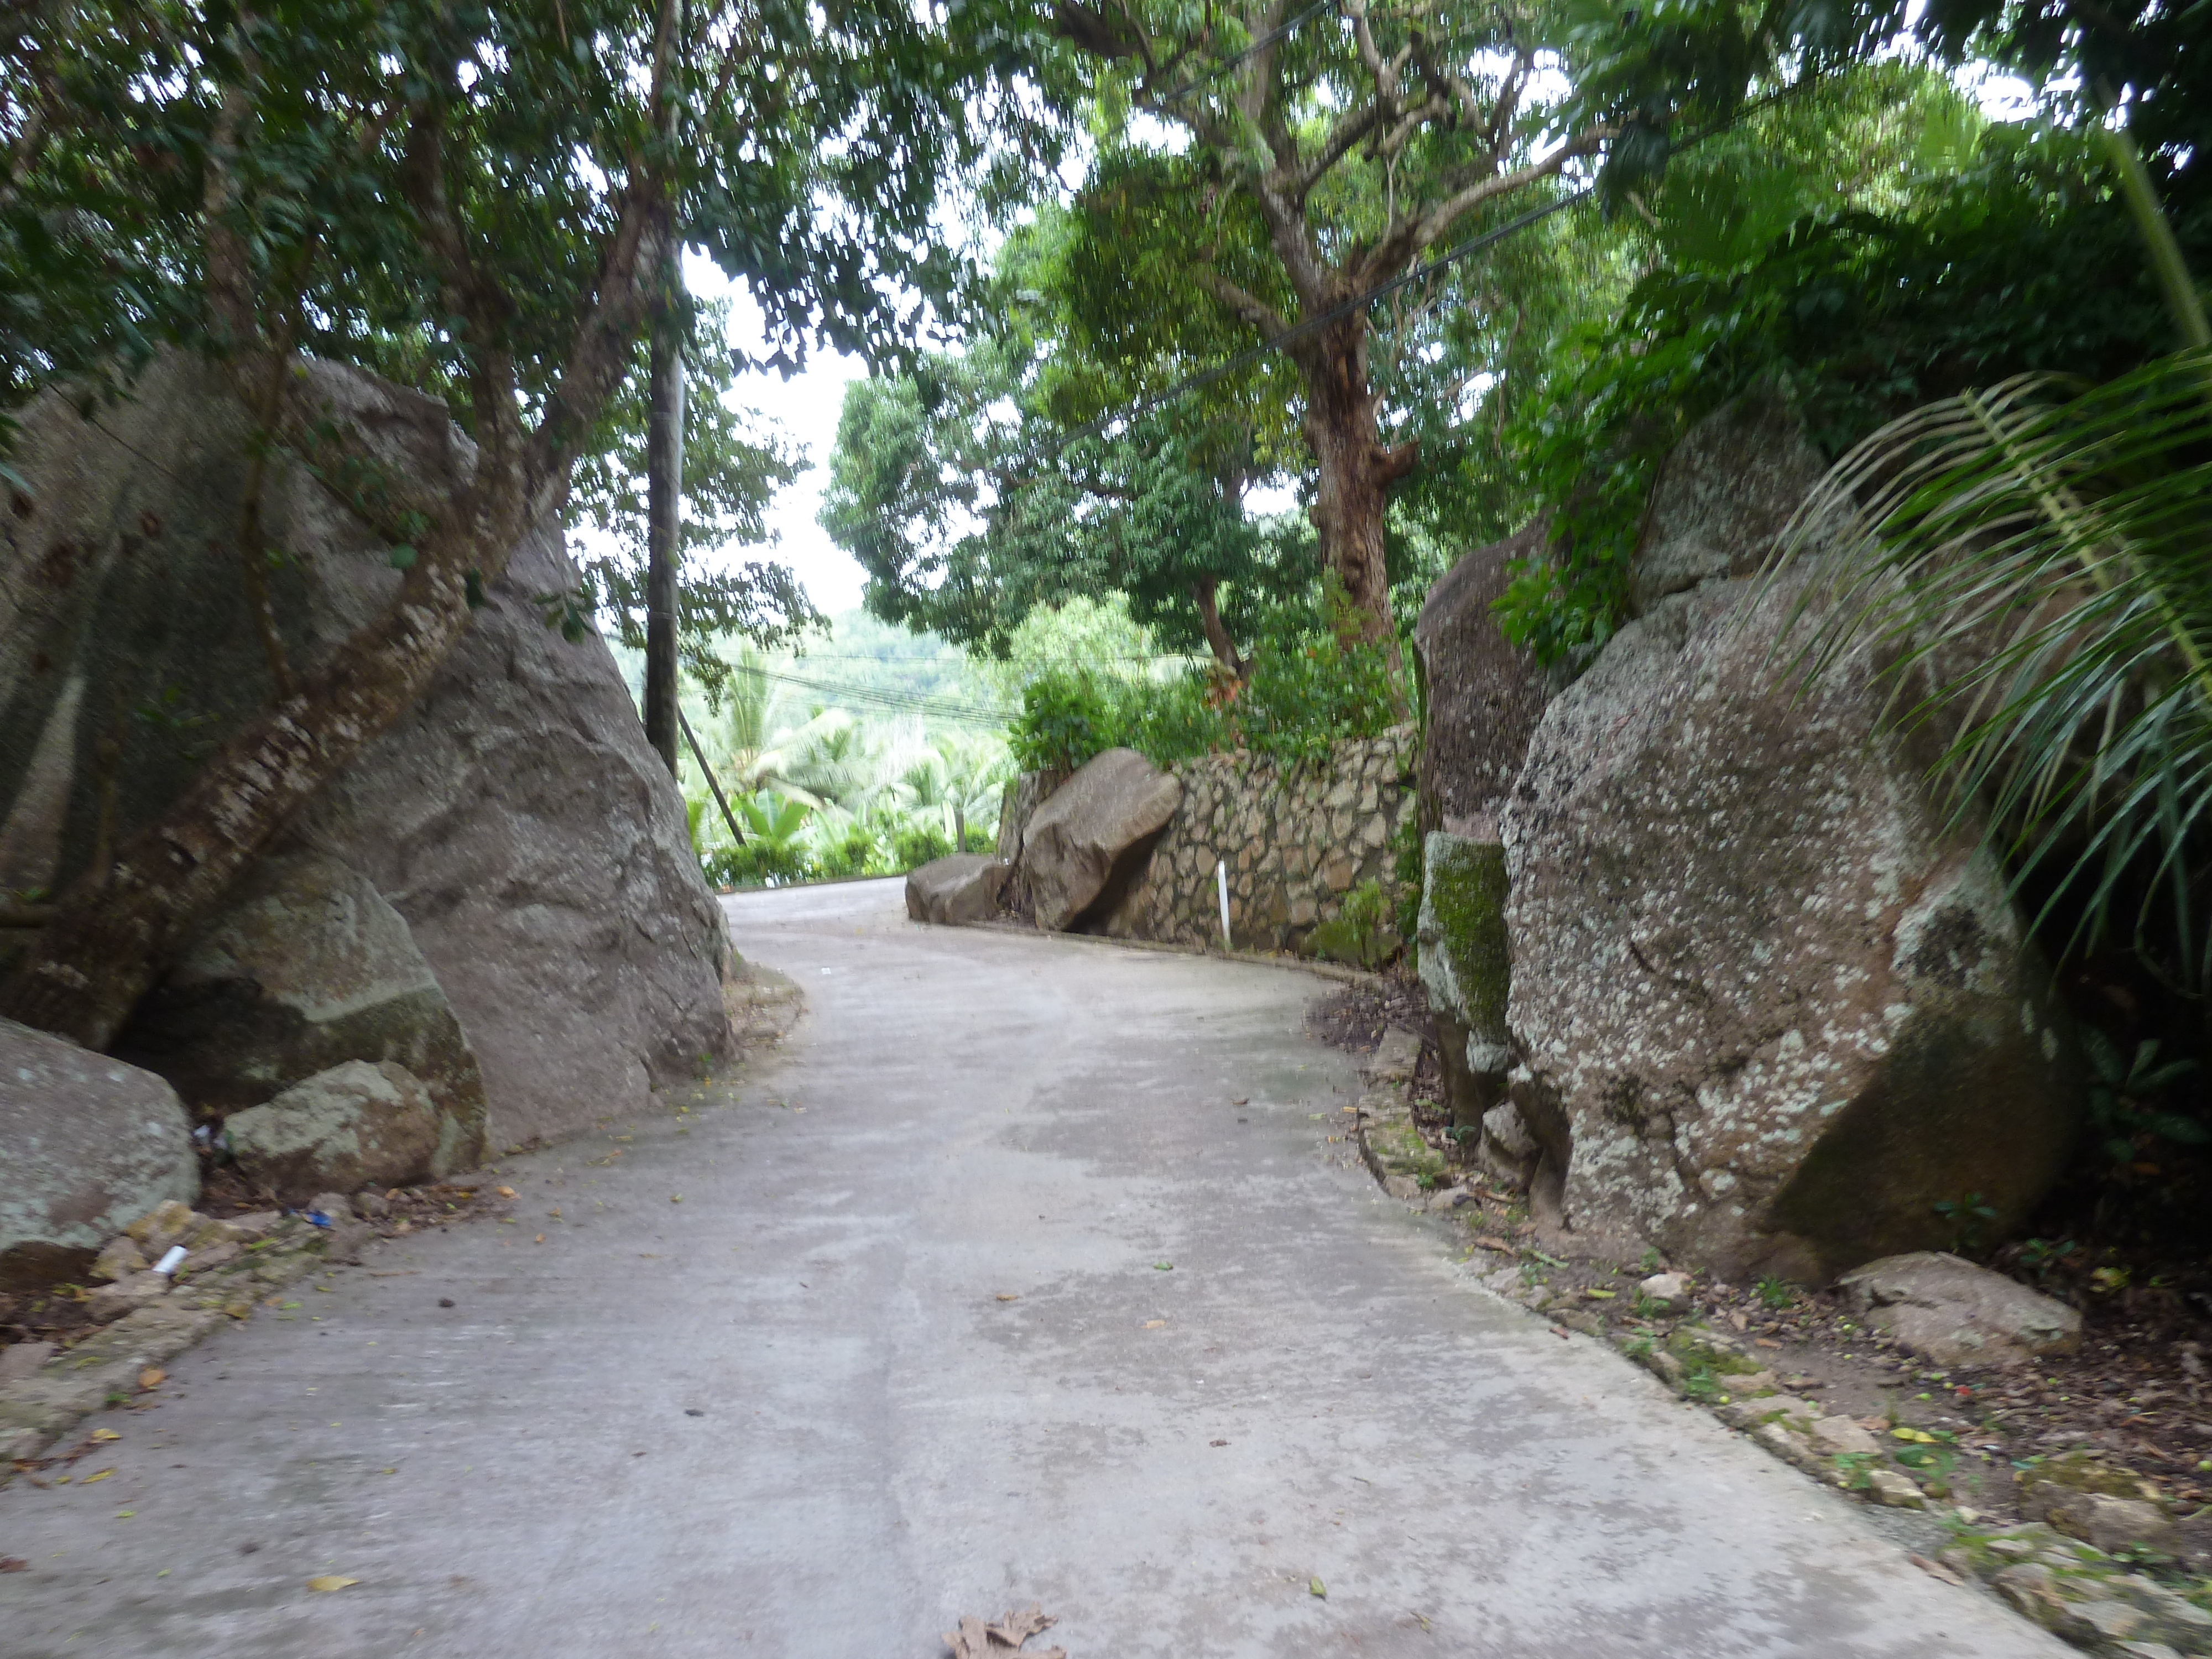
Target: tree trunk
{"x":1206,"y":592}
{"x":664,"y":474}
{"x":1353,"y":475}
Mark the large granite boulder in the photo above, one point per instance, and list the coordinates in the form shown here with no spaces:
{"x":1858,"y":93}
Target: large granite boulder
{"x":1721,"y":497}
{"x":1086,"y":842}
{"x":516,"y":818}
{"x":305,"y":967}
{"x":956,"y":891}
{"x":87,"y":1144}
{"x":1483,"y":692}
{"x":1951,"y":1313}
{"x":354,"y":1124}
{"x":1776,"y":1010}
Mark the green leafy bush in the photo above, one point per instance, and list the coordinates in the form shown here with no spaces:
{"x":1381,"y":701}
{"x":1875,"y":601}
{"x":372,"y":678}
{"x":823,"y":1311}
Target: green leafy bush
{"x":1304,"y":693}
{"x":919,"y":844}
{"x":1851,"y":318}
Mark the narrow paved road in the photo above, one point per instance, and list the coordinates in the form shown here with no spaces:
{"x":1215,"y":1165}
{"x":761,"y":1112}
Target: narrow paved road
{"x":987,"y":1291}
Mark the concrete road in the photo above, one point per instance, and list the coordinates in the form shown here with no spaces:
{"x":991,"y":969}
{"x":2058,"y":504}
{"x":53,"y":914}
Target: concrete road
{"x":987,"y":1291}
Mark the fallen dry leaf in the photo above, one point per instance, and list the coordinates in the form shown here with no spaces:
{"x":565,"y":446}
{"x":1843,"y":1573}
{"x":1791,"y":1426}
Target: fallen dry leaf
{"x":89,"y":1478}
{"x":1490,"y":1243}
{"x":1008,"y":1295}
{"x":13,"y":1563}
{"x":151,"y":1377}
{"x":1217,"y":1442}
{"x":1765,"y":1342}
{"x":540,"y":1239}
{"x":1239,"y":1100}
{"x":105,"y":1434}
{"x":976,"y":1640}
{"x":331,"y":1581}
{"x":507,"y":1192}
{"x":1155,"y":1324}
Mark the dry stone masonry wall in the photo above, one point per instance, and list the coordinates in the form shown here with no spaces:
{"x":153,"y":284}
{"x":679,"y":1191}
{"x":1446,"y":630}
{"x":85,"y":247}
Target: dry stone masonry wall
{"x":1296,"y":840}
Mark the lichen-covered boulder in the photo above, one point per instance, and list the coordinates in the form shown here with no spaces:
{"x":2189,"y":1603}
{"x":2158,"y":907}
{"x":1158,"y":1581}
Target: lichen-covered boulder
{"x":956,"y":891}
{"x":305,"y":967}
{"x":1952,"y":1312}
{"x":354,"y":1124}
{"x":1485,"y":693}
{"x":1721,"y":497}
{"x":1780,"y":1013}
{"x":515,"y":817}
{"x":1086,"y":843}
{"x":87,"y":1144}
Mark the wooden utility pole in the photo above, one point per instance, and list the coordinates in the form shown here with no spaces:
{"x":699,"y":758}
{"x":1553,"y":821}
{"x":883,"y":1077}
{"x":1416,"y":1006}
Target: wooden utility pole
{"x":664,"y":507}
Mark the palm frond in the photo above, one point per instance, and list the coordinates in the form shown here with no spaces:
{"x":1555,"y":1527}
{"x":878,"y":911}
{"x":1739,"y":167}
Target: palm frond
{"x":2029,"y":564}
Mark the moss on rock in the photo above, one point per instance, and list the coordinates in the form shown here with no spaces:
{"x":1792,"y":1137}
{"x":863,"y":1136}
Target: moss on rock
{"x":1466,"y":961}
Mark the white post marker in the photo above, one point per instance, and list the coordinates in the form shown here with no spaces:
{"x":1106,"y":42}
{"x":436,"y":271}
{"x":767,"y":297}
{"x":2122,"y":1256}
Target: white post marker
{"x":1221,"y":881}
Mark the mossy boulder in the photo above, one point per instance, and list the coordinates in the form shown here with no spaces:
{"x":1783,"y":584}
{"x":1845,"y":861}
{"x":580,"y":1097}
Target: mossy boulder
{"x":1466,"y":961}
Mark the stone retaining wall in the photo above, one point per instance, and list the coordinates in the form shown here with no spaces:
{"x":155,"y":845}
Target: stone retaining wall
{"x":1296,"y":841}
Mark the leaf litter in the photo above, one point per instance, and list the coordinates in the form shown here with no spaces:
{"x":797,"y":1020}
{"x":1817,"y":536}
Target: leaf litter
{"x":976,"y":1640}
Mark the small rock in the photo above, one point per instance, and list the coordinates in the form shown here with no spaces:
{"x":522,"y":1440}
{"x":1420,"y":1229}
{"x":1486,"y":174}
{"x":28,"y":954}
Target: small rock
{"x":2111,"y":1523}
{"x":1450,"y":1199}
{"x":1836,"y":1434}
{"x":22,"y":1359}
{"x":1672,"y":1289}
{"x":1402,"y":1186}
{"x":214,"y":1256}
{"x":336,"y":1206}
{"x":1893,"y":1491}
{"x":1792,"y":1449}
{"x":372,"y":1204}
{"x":163,"y":1225}
{"x":119,"y":1258}
{"x":1504,"y":1281}
{"x":344,"y":1240}
{"x":126,"y":1296}
{"x":1954,"y":1313}
{"x":245,"y":1228}
{"x":2095,"y":1623}
{"x":1395,"y":1058}
{"x":1664,"y":1366}
{"x":1781,"y":1408}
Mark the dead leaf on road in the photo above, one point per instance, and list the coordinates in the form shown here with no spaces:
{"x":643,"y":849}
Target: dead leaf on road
{"x":13,"y":1563}
{"x":151,"y":1376}
{"x":1008,"y":1295}
{"x":89,"y":1478}
{"x":976,"y":1640}
{"x":105,"y":1434}
{"x":330,"y":1582}
{"x":1155,"y":1324}
{"x":507,"y":1192}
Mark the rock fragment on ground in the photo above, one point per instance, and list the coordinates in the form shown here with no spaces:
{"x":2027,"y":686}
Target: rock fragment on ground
{"x":354,"y":1124}
{"x":958,"y":890}
{"x":1954,"y":1313}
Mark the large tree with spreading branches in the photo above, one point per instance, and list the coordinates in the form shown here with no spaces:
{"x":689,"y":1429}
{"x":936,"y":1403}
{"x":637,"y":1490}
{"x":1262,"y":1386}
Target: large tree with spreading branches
{"x":1328,"y":151}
